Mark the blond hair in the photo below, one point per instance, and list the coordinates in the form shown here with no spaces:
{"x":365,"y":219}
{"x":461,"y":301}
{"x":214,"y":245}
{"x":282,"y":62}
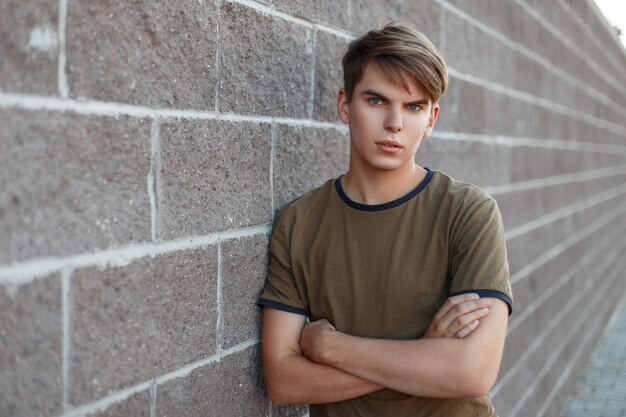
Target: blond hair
{"x":395,"y":48}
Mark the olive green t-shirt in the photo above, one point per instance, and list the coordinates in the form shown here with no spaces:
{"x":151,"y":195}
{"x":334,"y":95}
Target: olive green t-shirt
{"x":383,"y":271}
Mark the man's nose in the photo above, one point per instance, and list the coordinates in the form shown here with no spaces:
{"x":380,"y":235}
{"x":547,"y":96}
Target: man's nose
{"x":393,"y":122}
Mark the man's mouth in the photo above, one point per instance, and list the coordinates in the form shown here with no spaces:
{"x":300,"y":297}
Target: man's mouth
{"x":389,"y":146}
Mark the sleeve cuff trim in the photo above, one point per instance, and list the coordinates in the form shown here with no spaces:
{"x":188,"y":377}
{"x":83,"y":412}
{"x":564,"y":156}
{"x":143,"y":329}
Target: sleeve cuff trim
{"x":282,"y":307}
{"x":489,"y":293}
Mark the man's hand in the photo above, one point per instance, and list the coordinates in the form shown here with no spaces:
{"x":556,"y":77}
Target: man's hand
{"x":458,"y":317}
{"x":314,"y":337}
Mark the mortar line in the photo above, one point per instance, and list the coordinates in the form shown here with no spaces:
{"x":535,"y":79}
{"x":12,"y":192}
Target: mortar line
{"x":556,"y":354}
{"x":218,"y":50}
{"x":312,"y":86}
{"x":608,"y":78}
{"x":558,"y":71}
{"x":27,"y":271}
{"x":521,"y":141}
{"x":546,"y":331}
{"x":218,"y":299}
{"x":66,"y":304}
{"x":271,"y":10}
{"x":557,"y":180}
{"x":153,"y":398}
{"x":571,"y":240}
{"x":62,"y":75}
{"x":590,"y":34}
{"x":562,"y":280}
{"x":115,"y":397}
{"x":153,"y":177}
{"x":566,"y":211}
{"x":540,"y":102}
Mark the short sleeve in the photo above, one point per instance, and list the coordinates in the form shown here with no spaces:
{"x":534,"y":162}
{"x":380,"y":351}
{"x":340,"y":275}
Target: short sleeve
{"x":479,"y":261}
{"x":280,"y":291}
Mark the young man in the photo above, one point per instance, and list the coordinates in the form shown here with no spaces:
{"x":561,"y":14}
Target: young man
{"x":388,"y":261}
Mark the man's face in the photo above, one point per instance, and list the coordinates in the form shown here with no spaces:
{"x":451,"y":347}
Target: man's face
{"x":387,"y":123}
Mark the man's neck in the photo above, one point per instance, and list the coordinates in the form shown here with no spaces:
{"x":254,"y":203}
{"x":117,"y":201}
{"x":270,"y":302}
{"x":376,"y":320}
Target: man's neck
{"x":382,"y":187}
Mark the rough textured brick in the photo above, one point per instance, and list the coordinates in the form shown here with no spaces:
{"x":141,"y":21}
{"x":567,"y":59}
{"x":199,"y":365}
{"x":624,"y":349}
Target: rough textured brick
{"x":134,"y":322}
{"x":462,"y":108}
{"x":305,"y":159}
{"x":426,"y":16}
{"x":213,"y":176}
{"x":70,"y":183}
{"x":452,"y":157}
{"x":329,"y":50}
{"x":141,"y":52}
{"x":30,"y":348}
{"x":137,"y":405}
{"x":335,"y":13}
{"x":29,"y":46}
{"x":229,"y":388}
{"x":243,"y":273}
{"x":370,"y":14}
{"x":266,"y":64}
{"x":492,"y":61}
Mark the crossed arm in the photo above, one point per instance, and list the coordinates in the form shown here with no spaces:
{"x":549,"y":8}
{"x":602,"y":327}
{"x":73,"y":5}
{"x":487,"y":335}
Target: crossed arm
{"x":314,"y":363}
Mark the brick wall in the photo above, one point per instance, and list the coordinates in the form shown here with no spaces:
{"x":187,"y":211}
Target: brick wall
{"x":145,"y":145}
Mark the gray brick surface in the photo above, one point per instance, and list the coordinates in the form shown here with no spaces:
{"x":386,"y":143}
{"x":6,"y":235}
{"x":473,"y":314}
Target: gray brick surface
{"x":330,"y":12}
{"x":243,"y":274}
{"x":306,"y":158}
{"x":29,"y":46}
{"x":213,"y":176}
{"x":229,"y":388}
{"x":141,"y":320}
{"x":71,"y":183}
{"x":266,"y":64}
{"x":30,"y":348}
{"x":141,"y":52}
{"x":329,"y":50}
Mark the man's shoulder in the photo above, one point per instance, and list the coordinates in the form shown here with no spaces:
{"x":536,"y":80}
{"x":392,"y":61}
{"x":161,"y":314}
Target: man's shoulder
{"x":308,"y":203}
{"x":460,"y":192}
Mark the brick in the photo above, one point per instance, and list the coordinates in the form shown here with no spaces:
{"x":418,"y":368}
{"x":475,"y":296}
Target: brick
{"x":137,"y":405}
{"x":253,"y":80}
{"x":71,"y":183}
{"x":214,"y":176}
{"x":371,"y":14}
{"x":466,"y":161}
{"x":330,"y":12}
{"x":31,"y":348}
{"x":329,"y":51}
{"x":492,"y":61}
{"x":141,"y":52}
{"x":462,"y":108}
{"x":305,"y":159}
{"x":29,"y":46}
{"x":243,"y":273}
{"x":134,"y":322}
{"x":426,"y":16}
{"x":230,"y":388}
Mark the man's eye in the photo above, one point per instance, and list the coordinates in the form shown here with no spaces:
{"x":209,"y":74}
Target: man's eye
{"x":375,"y":100}
{"x":414,"y":107}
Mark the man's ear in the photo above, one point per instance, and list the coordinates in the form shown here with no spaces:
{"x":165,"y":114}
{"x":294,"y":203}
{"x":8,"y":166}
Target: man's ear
{"x":343,"y":106}
{"x":434,"y":112}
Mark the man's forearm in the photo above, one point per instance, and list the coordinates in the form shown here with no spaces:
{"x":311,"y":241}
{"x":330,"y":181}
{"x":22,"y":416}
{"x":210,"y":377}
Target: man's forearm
{"x":294,"y":379}
{"x":439,"y":367}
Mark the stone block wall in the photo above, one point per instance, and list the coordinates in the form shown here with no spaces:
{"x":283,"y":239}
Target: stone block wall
{"x":145,"y":146}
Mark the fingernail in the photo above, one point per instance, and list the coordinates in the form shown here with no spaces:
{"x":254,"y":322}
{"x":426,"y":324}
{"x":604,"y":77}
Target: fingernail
{"x":487,"y":302}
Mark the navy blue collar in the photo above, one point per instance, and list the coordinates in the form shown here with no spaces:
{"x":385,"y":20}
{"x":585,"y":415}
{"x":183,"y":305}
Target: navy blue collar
{"x":385,"y":206}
